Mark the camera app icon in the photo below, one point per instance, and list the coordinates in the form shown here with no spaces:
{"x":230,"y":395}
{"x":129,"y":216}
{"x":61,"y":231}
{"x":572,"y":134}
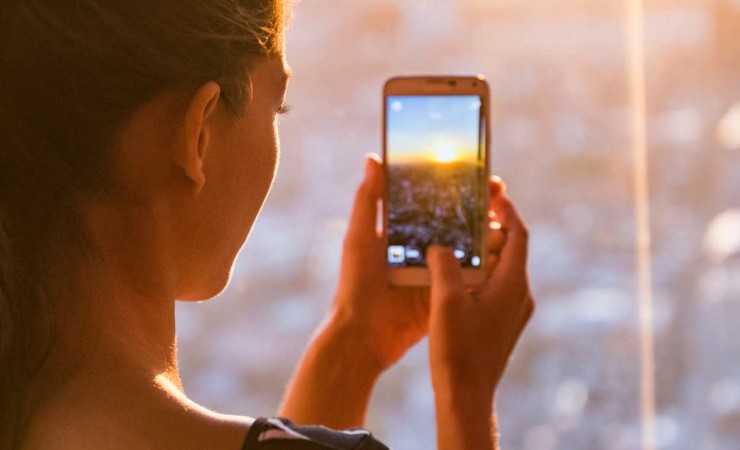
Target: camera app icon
{"x":396,"y":254}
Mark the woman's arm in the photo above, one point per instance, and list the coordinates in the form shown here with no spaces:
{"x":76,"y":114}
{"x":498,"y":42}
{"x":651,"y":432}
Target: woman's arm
{"x":333,"y":383}
{"x":465,"y":422}
{"x":370,"y":327}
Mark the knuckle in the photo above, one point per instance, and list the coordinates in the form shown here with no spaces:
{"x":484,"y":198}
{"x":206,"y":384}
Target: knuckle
{"x":353,"y":242}
{"x":348,"y":243}
{"x":363,"y":190}
{"x":524,"y":230}
{"x":515,"y":289}
{"x":452,"y":297}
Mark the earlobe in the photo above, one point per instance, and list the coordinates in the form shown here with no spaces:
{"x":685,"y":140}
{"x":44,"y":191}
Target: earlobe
{"x":198,"y":124}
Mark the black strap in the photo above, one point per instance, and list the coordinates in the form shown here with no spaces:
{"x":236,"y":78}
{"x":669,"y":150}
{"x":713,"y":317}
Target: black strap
{"x":251,"y":441}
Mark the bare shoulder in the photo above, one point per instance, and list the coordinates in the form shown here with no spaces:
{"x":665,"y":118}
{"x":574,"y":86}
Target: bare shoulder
{"x":158,"y":422}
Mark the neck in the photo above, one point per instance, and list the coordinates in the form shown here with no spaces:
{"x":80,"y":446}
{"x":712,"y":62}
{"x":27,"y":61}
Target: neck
{"x":132,"y":292}
{"x":138,"y":334}
{"x":112,"y":344}
{"x":116,"y":334}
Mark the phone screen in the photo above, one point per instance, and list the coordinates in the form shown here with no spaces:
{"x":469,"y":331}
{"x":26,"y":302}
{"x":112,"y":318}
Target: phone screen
{"x":435,"y":158}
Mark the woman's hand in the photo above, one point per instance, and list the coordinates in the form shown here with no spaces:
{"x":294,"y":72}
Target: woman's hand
{"x":387,"y":320}
{"x":472,"y":332}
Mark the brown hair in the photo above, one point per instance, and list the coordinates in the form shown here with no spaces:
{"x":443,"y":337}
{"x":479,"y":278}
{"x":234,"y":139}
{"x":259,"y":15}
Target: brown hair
{"x":71,"y":73}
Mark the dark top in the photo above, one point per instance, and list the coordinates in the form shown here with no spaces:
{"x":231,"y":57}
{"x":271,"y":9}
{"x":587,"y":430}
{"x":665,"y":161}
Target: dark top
{"x":278,"y":433}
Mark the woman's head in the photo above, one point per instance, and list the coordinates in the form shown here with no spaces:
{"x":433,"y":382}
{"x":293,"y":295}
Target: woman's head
{"x":162,"y":107}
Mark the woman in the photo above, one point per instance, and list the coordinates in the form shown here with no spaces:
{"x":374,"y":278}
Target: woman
{"x":138,"y":141}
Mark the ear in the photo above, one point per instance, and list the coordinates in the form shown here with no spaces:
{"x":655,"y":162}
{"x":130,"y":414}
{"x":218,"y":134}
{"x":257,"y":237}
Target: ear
{"x":197,"y":131}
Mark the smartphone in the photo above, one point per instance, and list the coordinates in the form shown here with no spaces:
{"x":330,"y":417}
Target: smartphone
{"x":435,"y":153}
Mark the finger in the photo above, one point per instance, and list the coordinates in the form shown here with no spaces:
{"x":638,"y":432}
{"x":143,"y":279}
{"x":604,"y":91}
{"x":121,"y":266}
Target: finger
{"x":496,"y":187}
{"x":496,"y":238}
{"x":524,"y":318}
{"x":492,"y":263}
{"x":447,"y":276}
{"x":362,"y":225}
{"x":530,"y":307}
{"x":526,"y":315}
{"x":513,"y":260}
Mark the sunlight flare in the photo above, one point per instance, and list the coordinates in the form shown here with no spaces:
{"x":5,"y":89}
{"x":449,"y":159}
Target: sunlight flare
{"x":445,"y":154}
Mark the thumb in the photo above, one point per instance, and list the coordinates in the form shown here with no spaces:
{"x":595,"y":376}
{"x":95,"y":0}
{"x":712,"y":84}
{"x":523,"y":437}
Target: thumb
{"x":447,"y":276}
{"x":362,"y":224}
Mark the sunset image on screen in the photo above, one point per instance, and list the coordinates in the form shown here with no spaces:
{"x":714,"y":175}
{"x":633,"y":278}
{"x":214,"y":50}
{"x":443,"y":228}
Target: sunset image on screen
{"x":438,"y":128}
{"x":436,"y":164}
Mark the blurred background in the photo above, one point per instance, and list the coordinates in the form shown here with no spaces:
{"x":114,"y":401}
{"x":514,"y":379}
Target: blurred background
{"x":561,"y":140}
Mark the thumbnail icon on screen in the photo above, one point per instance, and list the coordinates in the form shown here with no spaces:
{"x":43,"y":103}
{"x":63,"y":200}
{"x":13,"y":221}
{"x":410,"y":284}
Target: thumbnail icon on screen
{"x":396,"y":254}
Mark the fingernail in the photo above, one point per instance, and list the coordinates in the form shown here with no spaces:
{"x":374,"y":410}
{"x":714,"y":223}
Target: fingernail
{"x":368,"y":162}
{"x":497,"y":179}
{"x":369,"y":158}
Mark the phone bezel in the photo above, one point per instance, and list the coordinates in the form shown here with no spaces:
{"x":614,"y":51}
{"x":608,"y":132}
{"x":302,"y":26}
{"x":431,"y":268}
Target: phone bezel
{"x":436,"y":85}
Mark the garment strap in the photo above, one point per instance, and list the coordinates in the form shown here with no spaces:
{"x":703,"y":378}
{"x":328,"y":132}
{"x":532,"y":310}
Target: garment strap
{"x":258,"y":426}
